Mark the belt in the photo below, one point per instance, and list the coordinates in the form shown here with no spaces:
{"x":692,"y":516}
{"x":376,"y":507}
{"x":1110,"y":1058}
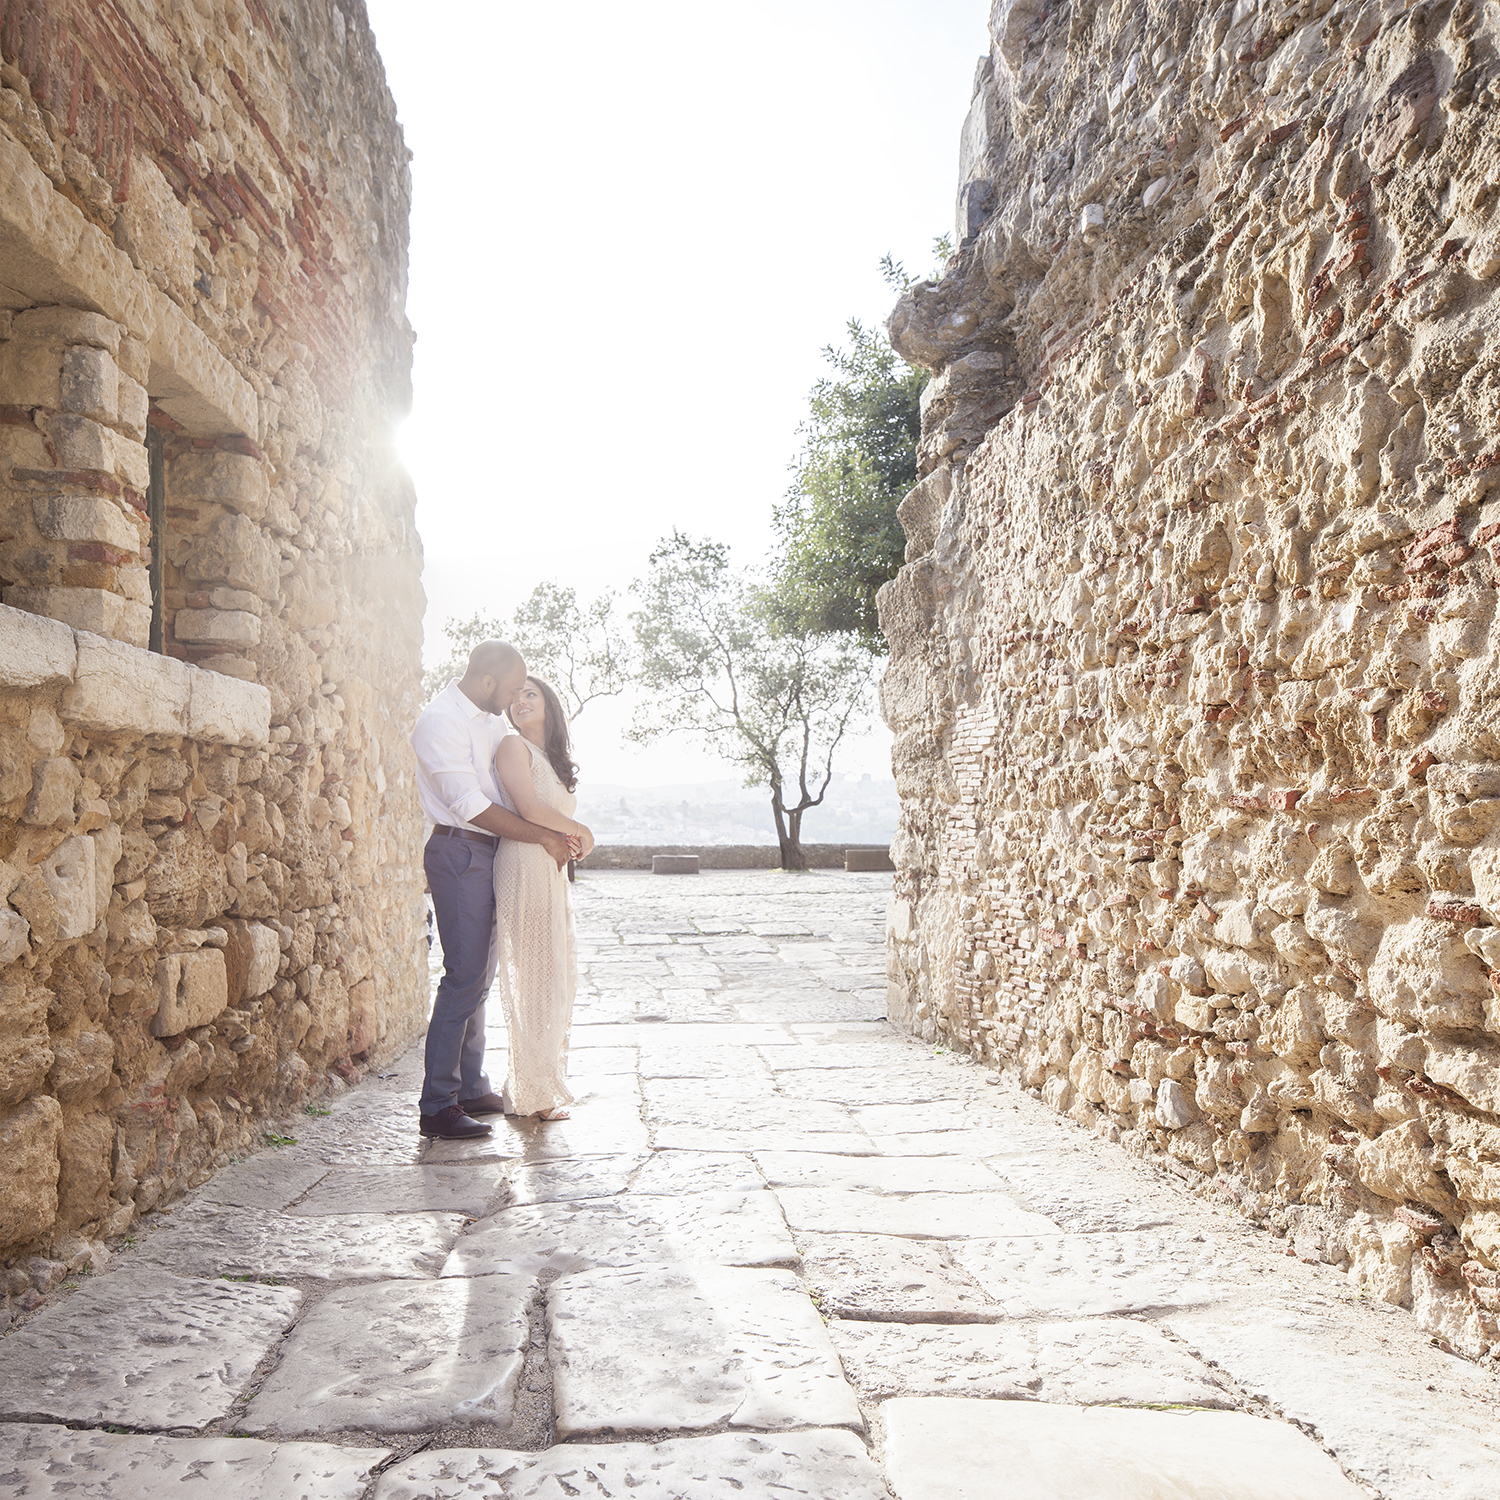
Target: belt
{"x":467,"y":833}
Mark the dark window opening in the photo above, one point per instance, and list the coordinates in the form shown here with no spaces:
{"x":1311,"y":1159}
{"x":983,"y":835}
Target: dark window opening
{"x":156,"y":513}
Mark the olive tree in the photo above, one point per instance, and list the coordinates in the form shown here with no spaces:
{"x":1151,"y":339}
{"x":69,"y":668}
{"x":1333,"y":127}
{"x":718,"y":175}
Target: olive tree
{"x":719,"y":661}
{"x":583,"y":650}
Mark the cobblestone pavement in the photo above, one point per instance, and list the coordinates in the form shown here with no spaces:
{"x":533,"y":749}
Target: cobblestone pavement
{"x":780,"y":1250}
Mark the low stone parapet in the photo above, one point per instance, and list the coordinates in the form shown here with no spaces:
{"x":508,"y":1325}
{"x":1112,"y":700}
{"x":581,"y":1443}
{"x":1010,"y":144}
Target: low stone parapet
{"x":730,"y":856}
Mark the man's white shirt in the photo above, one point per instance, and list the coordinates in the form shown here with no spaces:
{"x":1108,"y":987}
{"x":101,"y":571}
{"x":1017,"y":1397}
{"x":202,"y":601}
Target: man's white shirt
{"x":455,"y":741}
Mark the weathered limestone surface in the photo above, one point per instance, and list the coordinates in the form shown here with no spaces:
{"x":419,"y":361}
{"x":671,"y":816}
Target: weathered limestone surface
{"x":210,"y":885}
{"x":1194,"y":653}
{"x":46,"y":1461}
{"x":675,"y":1374}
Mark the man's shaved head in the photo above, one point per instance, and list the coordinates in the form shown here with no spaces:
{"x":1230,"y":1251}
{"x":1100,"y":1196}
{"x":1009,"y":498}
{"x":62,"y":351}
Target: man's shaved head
{"x":494,"y":676}
{"x":494,"y":659}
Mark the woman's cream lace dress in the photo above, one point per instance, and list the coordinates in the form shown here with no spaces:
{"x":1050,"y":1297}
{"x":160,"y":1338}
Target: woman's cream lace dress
{"x":538,"y":971}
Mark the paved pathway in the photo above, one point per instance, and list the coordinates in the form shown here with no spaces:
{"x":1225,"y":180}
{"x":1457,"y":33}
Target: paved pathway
{"x":780,"y":1250}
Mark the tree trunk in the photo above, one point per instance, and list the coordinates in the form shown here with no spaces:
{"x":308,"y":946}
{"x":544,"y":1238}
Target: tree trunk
{"x":792,"y":857}
{"x":788,"y":833}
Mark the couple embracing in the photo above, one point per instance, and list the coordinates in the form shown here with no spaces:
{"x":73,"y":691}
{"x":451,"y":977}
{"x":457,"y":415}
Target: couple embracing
{"x":500,"y":795}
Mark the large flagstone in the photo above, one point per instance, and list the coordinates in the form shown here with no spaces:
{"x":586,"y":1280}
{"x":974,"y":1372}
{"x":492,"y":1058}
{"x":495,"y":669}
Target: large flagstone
{"x":817,"y":1465}
{"x":939,"y":1449}
{"x":669,"y":1348}
{"x":466,"y":1189}
{"x":934,"y":1216}
{"x":737,"y":1229}
{"x":399,"y":1356}
{"x":138,"y":1347}
{"x":211,"y":1241}
{"x":1085,"y":1361}
{"x":1058,"y":1275}
{"x":58,"y":1463}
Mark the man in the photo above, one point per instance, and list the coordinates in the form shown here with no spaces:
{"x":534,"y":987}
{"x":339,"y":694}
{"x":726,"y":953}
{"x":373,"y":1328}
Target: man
{"x":455,"y":739}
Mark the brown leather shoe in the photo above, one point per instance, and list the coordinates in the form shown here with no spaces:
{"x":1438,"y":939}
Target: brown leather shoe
{"x":452,"y":1124}
{"x":485,"y":1104}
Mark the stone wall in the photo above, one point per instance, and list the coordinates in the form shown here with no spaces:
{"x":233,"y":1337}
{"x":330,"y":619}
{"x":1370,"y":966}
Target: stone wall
{"x":210,"y":886}
{"x":1194,"y":656}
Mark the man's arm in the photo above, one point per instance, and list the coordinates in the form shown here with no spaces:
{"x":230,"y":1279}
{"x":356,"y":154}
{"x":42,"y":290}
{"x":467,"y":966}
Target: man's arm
{"x":443,"y":748}
{"x":502,"y":822}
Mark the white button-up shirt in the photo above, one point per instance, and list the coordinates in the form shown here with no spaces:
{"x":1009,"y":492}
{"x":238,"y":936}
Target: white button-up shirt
{"x":455,"y":741}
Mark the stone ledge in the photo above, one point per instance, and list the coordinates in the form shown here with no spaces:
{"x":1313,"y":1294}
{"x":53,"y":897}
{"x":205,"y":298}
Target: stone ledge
{"x":112,"y":688}
{"x":34,"y":651}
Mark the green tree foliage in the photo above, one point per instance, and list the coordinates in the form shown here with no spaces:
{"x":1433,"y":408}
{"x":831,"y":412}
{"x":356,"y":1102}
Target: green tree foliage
{"x":583,"y":650}
{"x":840,"y":538}
{"x":716,"y":662}
{"x":839,"y":534}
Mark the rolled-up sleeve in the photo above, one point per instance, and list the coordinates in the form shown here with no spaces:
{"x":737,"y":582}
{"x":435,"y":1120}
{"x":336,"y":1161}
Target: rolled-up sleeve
{"x":444,"y":750}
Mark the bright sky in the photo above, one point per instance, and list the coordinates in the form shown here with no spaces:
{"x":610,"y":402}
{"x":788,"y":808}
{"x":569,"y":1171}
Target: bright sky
{"x":634,"y":229}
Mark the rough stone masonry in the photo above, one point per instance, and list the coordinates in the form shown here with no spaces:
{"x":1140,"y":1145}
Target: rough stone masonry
{"x":1194,"y":654}
{"x":210,"y":898}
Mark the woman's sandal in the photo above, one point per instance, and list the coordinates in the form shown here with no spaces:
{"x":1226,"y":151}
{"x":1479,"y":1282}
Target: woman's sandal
{"x":557,"y":1113}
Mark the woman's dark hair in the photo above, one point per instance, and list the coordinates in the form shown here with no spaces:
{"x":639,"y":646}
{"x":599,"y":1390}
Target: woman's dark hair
{"x":557,"y":745}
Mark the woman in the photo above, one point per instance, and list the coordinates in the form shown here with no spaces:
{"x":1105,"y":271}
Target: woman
{"x":538,"y":949}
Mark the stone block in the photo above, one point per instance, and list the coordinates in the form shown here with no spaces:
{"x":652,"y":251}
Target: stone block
{"x":143,"y":1348}
{"x":82,"y":1065}
{"x":1093,"y":1360}
{"x":59,"y":895}
{"x":98,"y":611}
{"x":119,"y":688}
{"x":252,"y":958}
{"x":736,"y":1229}
{"x":234,"y":550}
{"x":229,"y":479}
{"x":25,"y":1046}
{"x":86,"y":518}
{"x":192,"y":989}
{"x":674,"y":864}
{"x":90,"y":384}
{"x":133,"y":405}
{"x":206,"y":1240}
{"x":409,"y":1356}
{"x":1072,"y":1275}
{"x":84,"y":1154}
{"x":470,"y":1188}
{"x":31,"y":373}
{"x":156,"y":229}
{"x":82,"y":444}
{"x":947,"y":1449}
{"x":664,"y":1348}
{"x":34,"y":651}
{"x":68,"y":325}
{"x":50,"y":1463}
{"x":217,"y":627}
{"x":828,"y":1465}
{"x":28,"y":1170}
{"x":15,"y":935}
{"x":54,"y":785}
{"x":867,"y":859}
{"x":224,"y":710}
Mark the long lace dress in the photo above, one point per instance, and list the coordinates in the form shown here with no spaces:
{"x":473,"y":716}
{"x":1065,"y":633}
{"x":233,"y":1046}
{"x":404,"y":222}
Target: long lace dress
{"x":538,"y":971}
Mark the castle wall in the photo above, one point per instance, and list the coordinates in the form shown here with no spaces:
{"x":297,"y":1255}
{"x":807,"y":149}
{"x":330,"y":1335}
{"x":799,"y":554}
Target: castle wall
{"x":210,"y":885}
{"x":1194,"y":657}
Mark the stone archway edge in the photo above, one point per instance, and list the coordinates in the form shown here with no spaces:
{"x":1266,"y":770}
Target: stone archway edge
{"x":70,"y":260}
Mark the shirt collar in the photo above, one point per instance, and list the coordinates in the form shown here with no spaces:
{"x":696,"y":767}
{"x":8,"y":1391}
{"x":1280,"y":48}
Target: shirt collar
{"x":465,"y":702}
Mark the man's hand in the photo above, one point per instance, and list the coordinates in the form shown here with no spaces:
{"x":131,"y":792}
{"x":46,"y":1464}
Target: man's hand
{"x":556,"y":844}
{"x":583,"y":844}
